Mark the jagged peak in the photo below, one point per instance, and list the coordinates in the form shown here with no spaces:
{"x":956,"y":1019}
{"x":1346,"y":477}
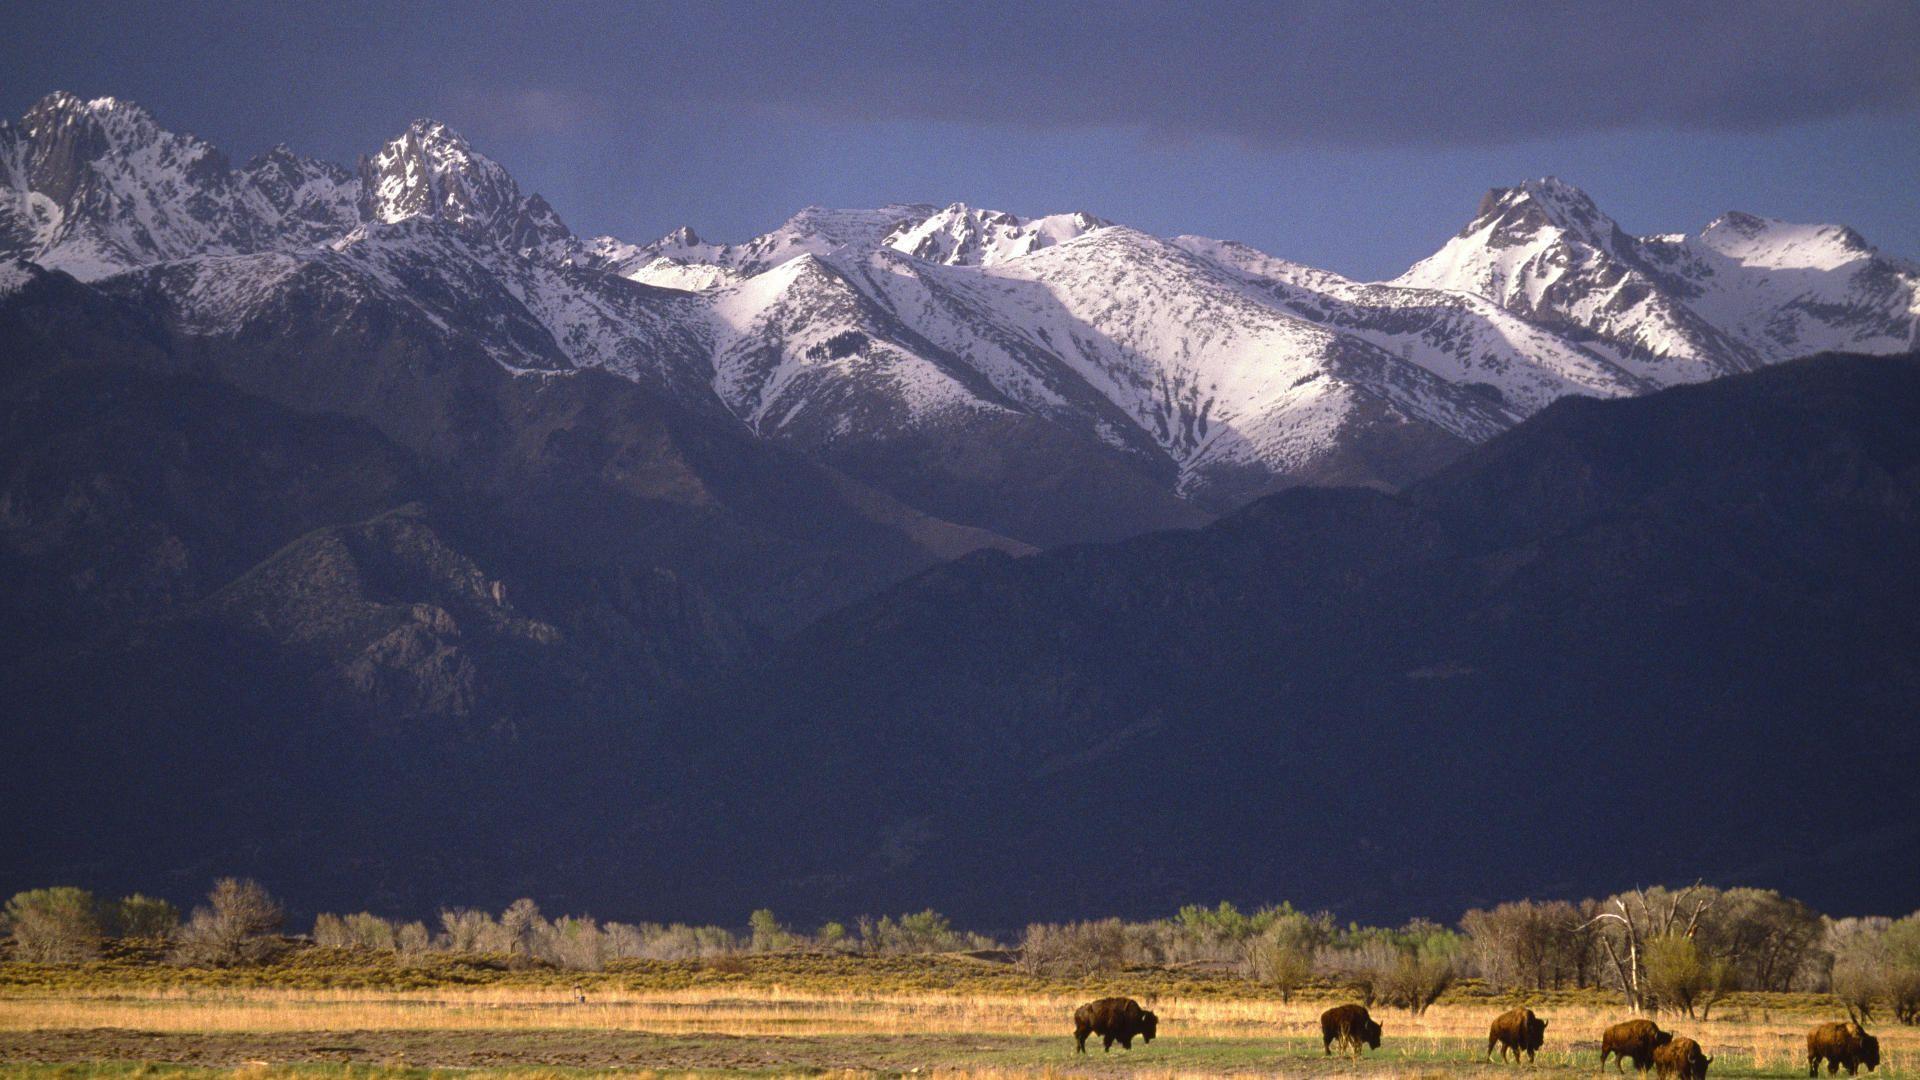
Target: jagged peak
{"x":431,"y":170}
{"x":1547,"y":204}
{"x":281,"y":159}
{"x":115,"y":120}
{"x":64,"y":101}
{"x":435,"y":142}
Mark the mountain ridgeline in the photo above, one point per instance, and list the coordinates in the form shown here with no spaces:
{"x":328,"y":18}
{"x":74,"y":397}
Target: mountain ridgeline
{"x":367,"y":530}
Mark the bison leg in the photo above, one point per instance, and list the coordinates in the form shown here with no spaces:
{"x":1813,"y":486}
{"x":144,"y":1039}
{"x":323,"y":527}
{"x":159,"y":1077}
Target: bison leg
{"x":1080,"y":1038}
{"x":1106,"y":1044}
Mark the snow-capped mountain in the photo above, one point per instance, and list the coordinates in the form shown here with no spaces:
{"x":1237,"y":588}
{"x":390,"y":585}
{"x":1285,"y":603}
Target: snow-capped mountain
{"x":956,"y":355}
{"x":94,"y":187}
{"x":430,"y":171}
{"x":963,"y":236}
{"x":1744,"y":292}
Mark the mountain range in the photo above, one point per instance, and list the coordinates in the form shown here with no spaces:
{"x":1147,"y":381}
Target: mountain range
{"x":956,"y":357}
{"x":392,"y":520}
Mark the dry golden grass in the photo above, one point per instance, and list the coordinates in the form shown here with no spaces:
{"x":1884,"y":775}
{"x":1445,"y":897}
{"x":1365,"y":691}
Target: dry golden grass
{"x":950,"y":1018}
{"x":1768,"y":1040}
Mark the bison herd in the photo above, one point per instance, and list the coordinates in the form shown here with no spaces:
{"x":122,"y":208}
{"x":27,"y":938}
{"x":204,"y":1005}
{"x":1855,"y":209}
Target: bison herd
{"x":1672,"y":1057}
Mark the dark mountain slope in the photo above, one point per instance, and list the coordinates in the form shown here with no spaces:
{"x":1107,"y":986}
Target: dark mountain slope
{"x":1647,"y":638}
{"x":234,"y":621}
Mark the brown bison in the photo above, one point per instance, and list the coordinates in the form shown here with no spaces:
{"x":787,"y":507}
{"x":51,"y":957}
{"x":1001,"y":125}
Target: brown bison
{"x":1841,"y":1044}
{"x":1635,"y":1039}
{"x":1114,"y":1019}
{"x":1517,"y":1030}
{"x":1351,"y":1025}
{"x":1680,"y":1059}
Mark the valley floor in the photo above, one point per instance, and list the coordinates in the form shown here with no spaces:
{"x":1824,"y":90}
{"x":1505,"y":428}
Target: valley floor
{"x":782,"y":1020}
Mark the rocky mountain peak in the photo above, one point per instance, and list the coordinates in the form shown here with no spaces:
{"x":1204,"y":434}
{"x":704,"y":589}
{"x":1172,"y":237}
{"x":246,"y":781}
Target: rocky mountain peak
{"x":431,"y":171}
{"x":1518,"y":214}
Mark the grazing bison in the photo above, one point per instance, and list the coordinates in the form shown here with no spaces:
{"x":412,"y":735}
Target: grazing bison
{"x":1636,"y":1039}
{"x":1114,"y":1019}
{"x":1517,"y":1030}
{"x":1680,"y":1059}
{"x":1841,"y":1044}
{"x":1351,"y":1025}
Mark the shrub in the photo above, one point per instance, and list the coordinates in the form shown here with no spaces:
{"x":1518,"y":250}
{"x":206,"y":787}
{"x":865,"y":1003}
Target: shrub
{"x":651,"y":941}
{"x":766,"y":934}
{"x":235,"y":926}
{"x":572,"y":943}
{"x":1901,"y":982}
{"x":60,"y":925}
{"x":1682,"y":978}
{"x":1423,"y":966}
{"x":139,"y":916}
{"x":833,"y":936}
{"x":920,"y":932}
{"x":362,"y":931}
{"x":1529,"y":944}
{"x":1084,"y":948}
{"x":413,"y":938}
{"x":465,"y":931}
{"x":1282,"y":956}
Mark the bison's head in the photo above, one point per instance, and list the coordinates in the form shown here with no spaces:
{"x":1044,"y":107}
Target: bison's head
{"x":1149,"y":1026}
{"x":1537,"y":1028}
{"x":1373,"y":1034}
{"x":1870,"y":1052}
{"x":1662,"y":1038}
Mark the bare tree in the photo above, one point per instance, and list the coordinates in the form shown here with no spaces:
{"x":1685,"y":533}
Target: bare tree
{"x":1528,"y":943}
{"x":1636,"y":917}
{"x":519,"y":922}
{"x":236,"y":925}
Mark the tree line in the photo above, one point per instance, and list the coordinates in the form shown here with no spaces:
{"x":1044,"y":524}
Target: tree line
{"x":1662,"y":949}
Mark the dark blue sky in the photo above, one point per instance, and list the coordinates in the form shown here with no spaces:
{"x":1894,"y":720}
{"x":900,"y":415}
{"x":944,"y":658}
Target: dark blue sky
{"x":1347,"y":135}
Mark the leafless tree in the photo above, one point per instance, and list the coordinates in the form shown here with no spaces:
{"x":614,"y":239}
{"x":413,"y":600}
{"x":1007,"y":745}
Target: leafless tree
{"x":236,"y":925}
{"x":1635,"y":918}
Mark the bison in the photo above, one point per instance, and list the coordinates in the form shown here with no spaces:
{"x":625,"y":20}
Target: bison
{"x":1351,"y":1025}
{"x":1680,"y":1059}
{"x":1517,"y":1030}
{"x":1841,"y":1044}
{"x":1114,"y":1019}
{"x":1636,"y":1039}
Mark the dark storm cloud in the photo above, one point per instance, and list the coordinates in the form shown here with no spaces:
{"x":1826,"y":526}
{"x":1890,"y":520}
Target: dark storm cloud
{"x":1347,"y":74}
{"x":1356,"y":135}
{"x":1340,"y":73}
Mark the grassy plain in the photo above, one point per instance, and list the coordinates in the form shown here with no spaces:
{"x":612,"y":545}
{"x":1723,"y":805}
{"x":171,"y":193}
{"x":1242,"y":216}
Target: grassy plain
{"x":326,"y":1015}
